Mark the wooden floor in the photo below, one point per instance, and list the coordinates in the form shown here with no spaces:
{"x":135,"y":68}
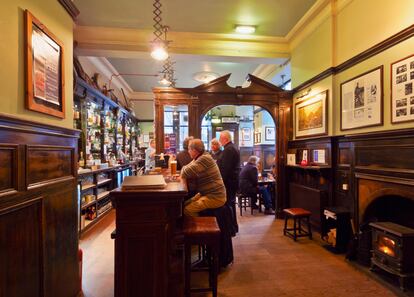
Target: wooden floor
{"x":266,"y":264}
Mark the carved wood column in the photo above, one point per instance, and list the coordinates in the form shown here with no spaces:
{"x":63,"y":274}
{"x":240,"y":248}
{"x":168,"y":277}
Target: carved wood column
{"x":194,"y":117}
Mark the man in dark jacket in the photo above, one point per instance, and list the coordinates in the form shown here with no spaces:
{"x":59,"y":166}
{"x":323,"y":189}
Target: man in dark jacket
{"x":229,"y":164}
{"x":248,"y":184}
{"x":183,"y":157}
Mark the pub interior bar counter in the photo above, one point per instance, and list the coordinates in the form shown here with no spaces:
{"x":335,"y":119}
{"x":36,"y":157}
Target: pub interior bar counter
{"x":148,"y":241}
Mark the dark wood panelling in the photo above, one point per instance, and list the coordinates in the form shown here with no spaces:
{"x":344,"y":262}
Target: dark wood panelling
{"x":385,"y":156}
{"x":344,"y":156}
{"x":21,"y":254}
{"x":38,"y":236}
{"x":8,"y":168}
{"x":48,"y":163}
{"x":311,"y":199}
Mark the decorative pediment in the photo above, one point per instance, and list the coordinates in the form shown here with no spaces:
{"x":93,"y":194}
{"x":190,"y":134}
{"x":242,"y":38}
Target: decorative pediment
{"x":220,"y":85}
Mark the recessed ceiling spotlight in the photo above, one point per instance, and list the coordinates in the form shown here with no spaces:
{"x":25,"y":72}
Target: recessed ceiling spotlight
{"x":205,"y":76}
{"x":245,"y":29}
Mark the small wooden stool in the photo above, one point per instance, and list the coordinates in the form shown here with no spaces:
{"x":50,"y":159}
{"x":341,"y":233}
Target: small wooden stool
{"x":297,"y":214}
{"x":202,"y":231}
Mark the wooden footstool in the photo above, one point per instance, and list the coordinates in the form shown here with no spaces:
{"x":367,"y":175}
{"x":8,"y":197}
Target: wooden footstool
{"x":297,"y":214}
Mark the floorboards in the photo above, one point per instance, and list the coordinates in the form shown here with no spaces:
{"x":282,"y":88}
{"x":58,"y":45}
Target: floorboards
{"x":266,"y":264}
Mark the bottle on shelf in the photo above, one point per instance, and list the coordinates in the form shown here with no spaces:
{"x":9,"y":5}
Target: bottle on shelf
{"x":81,"y":160}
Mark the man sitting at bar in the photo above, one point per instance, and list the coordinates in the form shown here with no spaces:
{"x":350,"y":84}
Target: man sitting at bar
{"x":248,"y":184}
{"x":183,"y":157}
{"x":204,"y":171}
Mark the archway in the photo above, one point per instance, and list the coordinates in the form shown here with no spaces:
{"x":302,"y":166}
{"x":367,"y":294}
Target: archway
{"x":200,"y":99}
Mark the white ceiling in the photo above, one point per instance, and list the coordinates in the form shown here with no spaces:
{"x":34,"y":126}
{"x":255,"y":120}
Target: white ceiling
{"x":185,"y":67}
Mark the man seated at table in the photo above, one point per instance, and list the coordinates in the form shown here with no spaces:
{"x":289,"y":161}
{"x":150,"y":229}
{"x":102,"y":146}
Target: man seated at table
{"x":249,"y":186}
{"x":204,"y":172}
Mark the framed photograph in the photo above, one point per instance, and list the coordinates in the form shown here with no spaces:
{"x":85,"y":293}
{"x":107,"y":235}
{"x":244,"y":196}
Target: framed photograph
{"x":270,"y":133}
{"x":311,"y":116}
{"x":246,"y":134}
{"x":44,"y":69}
{"x":402,"y":95}
{"x":362,"y":100}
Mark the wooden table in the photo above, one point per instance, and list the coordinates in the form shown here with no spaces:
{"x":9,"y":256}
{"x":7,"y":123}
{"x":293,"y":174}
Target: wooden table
{"x":148,"y":257}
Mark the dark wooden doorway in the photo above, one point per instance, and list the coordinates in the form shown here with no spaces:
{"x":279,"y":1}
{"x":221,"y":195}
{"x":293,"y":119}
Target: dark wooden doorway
{"x":201,"y":99}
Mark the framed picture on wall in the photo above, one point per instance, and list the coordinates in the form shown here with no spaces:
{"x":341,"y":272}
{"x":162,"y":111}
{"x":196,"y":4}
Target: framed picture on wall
{"x":257,"y":137}
{"x":362,"y":100}
{"x":270,"y":133}
{"x":402,"y":95}
{"x":311,"y":116}
{"x":246,"y":134}
{"x":44,"y":69}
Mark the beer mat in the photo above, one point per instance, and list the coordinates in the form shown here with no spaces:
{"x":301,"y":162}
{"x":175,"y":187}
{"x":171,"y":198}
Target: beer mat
{"x":143,"y":182}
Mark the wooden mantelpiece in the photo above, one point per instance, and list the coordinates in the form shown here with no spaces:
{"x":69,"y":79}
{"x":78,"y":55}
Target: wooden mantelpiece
{"x":148,"y":254}
{"x":38,"y":209}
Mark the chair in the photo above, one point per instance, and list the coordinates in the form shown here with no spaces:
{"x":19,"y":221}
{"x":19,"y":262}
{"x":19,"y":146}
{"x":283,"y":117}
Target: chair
{"x":202,"y":231}
{"x":245,"y":201}
{"x":297,"y":214}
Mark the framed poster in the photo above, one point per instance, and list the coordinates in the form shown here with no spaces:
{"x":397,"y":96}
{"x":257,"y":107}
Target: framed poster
{"x":257,"y":137}
{"x":402,"y":96}
{"x":362,"y":100}
{"x":270,"y":133}
{"x":311,"y":116}
{"x":44,"y":69}
{"x":246,"y":134}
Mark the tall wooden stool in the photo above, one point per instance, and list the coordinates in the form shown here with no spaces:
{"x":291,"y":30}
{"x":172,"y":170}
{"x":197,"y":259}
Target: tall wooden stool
{"x":202,"y":231}
{"x":297,"y":214}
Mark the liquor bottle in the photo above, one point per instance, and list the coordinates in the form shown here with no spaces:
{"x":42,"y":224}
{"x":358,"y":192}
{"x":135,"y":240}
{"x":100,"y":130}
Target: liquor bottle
{"x":81,"y":160}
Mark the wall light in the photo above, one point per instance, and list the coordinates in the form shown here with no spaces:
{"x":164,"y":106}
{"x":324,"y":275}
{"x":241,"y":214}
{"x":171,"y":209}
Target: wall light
{"x":245,"y":29}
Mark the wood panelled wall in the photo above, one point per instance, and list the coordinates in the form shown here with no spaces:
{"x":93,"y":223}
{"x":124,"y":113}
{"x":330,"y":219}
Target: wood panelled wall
{"x":38,"y":210}
{"x":380,"y":155}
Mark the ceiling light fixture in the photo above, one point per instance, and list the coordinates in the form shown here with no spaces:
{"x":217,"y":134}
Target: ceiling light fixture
{"x":164,"y":81}
{"x":159,"y":45}
{"x":245,"y":29}
{"x":205,"y":76}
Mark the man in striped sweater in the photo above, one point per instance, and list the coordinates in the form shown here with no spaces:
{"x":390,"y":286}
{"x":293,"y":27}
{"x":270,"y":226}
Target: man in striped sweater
{"x":204,"y":172}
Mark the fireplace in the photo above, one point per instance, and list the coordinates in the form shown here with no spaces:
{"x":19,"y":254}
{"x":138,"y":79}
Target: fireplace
{"x":381,"y":199}
{"x":392,"y":249}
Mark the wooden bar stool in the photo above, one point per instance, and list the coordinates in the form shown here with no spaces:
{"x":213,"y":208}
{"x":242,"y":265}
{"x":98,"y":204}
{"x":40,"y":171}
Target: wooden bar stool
{"x":202,"y":231}
{"x":297,"y":214}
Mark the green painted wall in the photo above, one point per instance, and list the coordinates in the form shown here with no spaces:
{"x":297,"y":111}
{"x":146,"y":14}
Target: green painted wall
{"x":360,"y":24}
{"x":12,"y":78}
{"x":313,"y":55}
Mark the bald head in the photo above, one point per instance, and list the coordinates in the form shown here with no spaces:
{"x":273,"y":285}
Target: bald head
{"x":225,"y":137}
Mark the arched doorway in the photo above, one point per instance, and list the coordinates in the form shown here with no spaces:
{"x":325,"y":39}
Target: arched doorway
{"x":201,"y":99}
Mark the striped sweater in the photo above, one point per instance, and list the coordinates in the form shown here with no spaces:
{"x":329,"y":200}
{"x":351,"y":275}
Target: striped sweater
{"x":206,"y":174}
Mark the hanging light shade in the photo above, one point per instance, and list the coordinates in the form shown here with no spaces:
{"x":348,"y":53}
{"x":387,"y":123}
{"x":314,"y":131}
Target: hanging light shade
{"x":159,"y":51}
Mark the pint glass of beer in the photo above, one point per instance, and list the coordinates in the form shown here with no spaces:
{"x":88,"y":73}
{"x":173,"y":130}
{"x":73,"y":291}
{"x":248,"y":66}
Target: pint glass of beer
{"x":173,"y":165}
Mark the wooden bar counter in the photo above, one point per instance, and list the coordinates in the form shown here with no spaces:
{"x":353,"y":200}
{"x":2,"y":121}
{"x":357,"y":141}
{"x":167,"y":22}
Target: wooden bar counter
{"x":148,"y":242}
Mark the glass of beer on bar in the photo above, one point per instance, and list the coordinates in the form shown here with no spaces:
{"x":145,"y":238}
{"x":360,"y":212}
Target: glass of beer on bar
{"x":173,"y":165}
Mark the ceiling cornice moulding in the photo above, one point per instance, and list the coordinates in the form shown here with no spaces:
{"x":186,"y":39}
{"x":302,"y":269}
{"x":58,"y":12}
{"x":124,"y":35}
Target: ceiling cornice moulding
{"x":122,"y":39}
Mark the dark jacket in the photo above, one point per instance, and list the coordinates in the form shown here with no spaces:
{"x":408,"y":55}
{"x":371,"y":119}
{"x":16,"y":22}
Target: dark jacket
{"x":229,"y":164}
{"x":248,"y":179}
{"x":216,"y":155}
{"x":183,"y":158}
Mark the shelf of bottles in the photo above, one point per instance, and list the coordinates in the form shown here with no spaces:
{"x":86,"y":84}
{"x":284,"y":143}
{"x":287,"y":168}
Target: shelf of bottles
{"x":110,"y":134}
{"x":128,"y":140}
{"x":93,"y":131}
{"x":120,"y":135}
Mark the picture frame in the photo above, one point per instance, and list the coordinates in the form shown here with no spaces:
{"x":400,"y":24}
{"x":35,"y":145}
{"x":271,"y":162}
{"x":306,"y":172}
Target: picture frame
{"x":362,"y":99}
{"x":270,"y":133}
{"x":402,"y":95}
{"x":45,"y":78}
{"x":311,"y":116}
{"x":246,"y":134}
